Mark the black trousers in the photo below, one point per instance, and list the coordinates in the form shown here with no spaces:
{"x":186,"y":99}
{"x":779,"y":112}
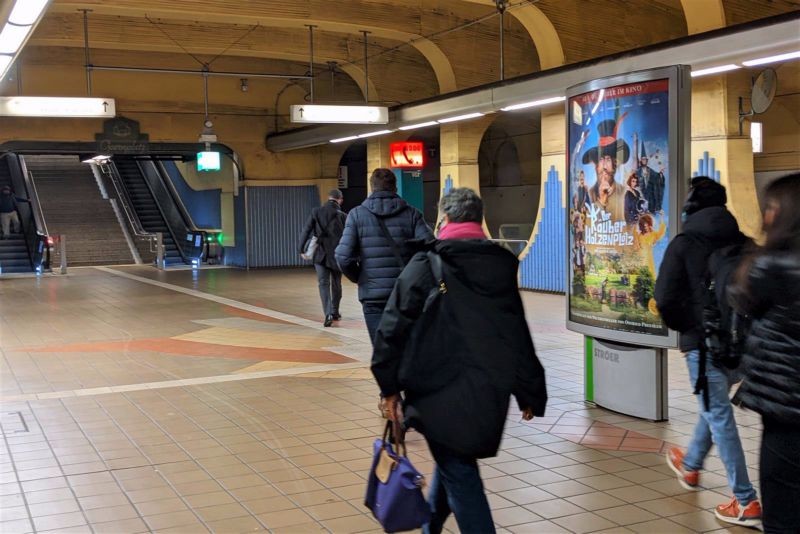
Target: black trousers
{"x":780,"y":477}
{"x":330,"y":289}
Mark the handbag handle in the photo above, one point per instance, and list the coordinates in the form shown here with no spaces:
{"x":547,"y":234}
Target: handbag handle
{"x":399,"y":437}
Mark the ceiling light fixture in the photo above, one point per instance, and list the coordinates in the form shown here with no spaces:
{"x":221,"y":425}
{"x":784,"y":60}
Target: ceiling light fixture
{"x":26,"y":12}
{"x":343,"y":139}
{"x":373,"y":134}
{"x":715,"y":70}
{"x":5,"y":61}
{"x":771,"y":59}
{"x":460,"y":118}
{"x":12,"y":37}
{"x":420,"y":125}
{"x":534,"y":103}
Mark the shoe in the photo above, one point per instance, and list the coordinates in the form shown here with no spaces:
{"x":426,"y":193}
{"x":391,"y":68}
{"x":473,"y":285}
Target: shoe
{"x":690,"y":480}
{"x":328,"y":321}
{"x":735,"y":514}
{"x":337,"y":317}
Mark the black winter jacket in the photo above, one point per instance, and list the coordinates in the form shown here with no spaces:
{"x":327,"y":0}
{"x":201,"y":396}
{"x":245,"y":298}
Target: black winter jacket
{"x":679,"y":290}
{"x":365,"y":256}
{"x":460,"y":355}
{"x":771,"y":364}
{"x":327,"y":223}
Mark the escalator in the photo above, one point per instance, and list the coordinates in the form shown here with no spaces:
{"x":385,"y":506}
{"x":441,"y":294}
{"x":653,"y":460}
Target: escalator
{"x":158,"y":211}
{"x":14,"y":256}
{"x":27,"y":250}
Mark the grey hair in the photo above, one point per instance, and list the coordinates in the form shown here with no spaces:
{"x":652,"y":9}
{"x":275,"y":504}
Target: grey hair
{"x":335,"y":194}
{"x":462,"y":204}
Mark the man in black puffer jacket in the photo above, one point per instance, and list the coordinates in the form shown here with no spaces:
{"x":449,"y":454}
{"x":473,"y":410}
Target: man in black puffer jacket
{"x":680,"y":292}
{"x":367,"y":256}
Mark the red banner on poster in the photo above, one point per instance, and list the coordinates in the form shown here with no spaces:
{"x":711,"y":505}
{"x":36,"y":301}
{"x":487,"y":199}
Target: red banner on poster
{"x":407,"y":154}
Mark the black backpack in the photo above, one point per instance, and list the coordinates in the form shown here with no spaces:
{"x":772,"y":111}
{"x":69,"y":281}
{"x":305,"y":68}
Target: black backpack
{"x":724,"y":329}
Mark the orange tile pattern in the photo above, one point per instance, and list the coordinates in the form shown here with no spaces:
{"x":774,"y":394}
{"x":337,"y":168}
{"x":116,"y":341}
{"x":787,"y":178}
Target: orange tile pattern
{"x":204,"y":350}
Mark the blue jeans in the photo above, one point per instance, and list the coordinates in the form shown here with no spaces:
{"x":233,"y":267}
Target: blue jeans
{"x":457,"y":488}
{"x":717,"y":425}
{"x":373,"y":311}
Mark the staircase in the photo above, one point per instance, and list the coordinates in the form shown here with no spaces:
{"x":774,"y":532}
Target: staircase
{"x":73,"y":207}
{"x":14,"y":256}
{"x":146,"y":207}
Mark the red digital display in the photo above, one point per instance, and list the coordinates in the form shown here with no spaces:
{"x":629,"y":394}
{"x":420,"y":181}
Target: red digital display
{"x":407,"y":154}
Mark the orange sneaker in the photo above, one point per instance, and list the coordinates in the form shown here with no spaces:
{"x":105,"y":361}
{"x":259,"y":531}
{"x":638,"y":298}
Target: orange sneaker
{"x":734,"y":513}
{"x":690,"y":480}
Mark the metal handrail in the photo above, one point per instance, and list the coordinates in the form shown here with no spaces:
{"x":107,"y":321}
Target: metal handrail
{"x":33,"y":196}
{"x":122,"y":195}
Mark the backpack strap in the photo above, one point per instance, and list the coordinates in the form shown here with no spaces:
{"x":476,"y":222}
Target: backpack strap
{"x":392,"y":242}
{"x":436,"y":267}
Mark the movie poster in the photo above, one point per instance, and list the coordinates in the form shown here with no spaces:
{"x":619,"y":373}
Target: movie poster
{"x":618,"y":205}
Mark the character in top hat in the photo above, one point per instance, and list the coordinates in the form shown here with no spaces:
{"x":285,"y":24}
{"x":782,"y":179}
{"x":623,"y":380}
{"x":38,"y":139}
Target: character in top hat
{"x":606,"y":156}
{"x":651,"y":183}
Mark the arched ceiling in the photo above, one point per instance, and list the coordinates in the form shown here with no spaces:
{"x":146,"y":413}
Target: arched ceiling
{"x":417,"y":48}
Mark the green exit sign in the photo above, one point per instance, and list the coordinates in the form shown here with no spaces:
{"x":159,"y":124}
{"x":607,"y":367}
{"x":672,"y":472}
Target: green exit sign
{"x":208,"y":161}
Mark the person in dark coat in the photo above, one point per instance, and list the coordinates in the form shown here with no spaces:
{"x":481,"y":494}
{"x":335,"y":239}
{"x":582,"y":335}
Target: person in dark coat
{"x":679,"y":293}
{"x":458,"y":348}
{"x":327,"y":224}
{"x":767,"y":288}
{"x":635,"y":204}
{"x":367,"y":256}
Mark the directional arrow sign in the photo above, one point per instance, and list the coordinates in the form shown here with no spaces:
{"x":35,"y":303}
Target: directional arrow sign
{"x":42,"y":106}
{"x":314,"y":113}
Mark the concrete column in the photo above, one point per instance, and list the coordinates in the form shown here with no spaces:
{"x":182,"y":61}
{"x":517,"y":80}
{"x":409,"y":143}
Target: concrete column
{"x":459,"y":144}
{"x":715,"y":129}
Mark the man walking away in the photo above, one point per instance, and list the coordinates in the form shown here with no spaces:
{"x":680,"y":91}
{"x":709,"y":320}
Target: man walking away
{"x":327,"y":224}
{"x":372,"y":252}
{"x":679,"y":293}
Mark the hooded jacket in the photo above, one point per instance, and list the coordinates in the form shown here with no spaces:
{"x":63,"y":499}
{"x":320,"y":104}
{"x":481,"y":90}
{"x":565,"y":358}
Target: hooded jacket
{"x":459,"y":355}
{"x":771,"y":362}
{"x":679,"y":290}
{"x":364,"y":254}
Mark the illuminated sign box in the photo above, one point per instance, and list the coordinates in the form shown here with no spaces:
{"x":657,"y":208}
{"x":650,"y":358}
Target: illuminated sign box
{"x":208,"y":161}
{"x":45,"y":106}
{"x":407,"y":154}
{"x":315,"y":113}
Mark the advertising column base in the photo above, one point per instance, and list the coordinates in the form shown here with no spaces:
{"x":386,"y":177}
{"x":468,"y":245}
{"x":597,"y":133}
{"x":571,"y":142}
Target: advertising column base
{"x":628,"y":379}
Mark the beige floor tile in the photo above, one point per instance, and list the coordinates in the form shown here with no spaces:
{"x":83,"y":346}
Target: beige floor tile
{"x":221,"y":511}
{"x":114,"y":513}
{"x":526,"y":495}
{"x":667,"y":506}
{"x":236,"y":525}
{"x":322,"y":512}
{"x":171,"y":519}
{"x":209,"y":499}
{"x":595,"y":501}
{"x":555,"y":508}
{"x":700,"y":521}
{"x":129,"y":526}
{"x":659,"y":526}
{"x":162,"y":506}
{"x":585,"y":522}
{"x":285,"y":518}
{"x":269,"y":504}
{"x":568,"y":488}
{"x":514,"y":516}
{"x":54,"y":507}
{"x":626,"y":515}
{"x":59,"y":521}
{"x":635,"y":494}
{"x":538,"y":527}
{"x":352,"y":524}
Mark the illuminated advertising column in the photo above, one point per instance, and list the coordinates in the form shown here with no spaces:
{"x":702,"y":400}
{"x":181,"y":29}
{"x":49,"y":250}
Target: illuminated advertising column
{"x":628,"y":155}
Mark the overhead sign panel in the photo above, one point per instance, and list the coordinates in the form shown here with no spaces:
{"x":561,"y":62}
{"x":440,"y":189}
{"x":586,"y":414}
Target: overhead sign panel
{"x":45,"y":106}
{"x":319,"y":114}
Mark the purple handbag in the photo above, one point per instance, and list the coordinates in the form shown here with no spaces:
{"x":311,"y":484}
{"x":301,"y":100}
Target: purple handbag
{"x":394,"y":488}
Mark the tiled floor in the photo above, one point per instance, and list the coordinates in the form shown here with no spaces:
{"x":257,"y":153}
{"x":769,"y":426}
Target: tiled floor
{"x":135,"y":400}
